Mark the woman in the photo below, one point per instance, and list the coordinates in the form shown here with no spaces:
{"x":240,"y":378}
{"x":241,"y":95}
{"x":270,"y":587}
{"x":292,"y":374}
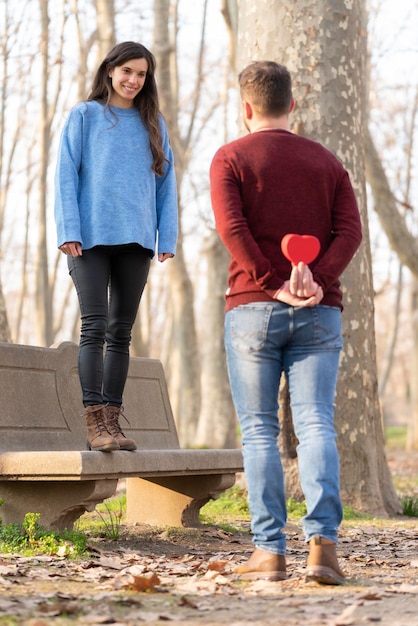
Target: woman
{"x":115,"y":196}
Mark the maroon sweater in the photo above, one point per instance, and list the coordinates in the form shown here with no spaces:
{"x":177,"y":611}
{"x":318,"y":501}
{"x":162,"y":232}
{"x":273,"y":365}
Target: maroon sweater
{"x":271,"y":183}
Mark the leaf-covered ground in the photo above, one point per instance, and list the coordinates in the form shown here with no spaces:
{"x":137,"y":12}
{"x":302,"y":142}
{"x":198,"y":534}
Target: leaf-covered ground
{"x":186,"y":577}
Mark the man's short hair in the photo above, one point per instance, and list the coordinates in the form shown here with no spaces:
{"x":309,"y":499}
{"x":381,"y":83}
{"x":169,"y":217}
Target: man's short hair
{"x":267,"y":85}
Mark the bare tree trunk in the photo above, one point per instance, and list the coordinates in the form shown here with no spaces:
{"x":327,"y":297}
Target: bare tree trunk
{"x":105,"y":15}
{"x":142,"y":327}
{"x":4,"y":325}
{"x":401,"y":239}
{"x":43,"y":295}
{"x":324,"y":47}
{"x":44,"y":288}
{"x":85,"y":44}
{"x":288,"y":445}
{"x":183,"y":367}
{"x":393,"y":222}
{"x":412,"y":431}
{"x":4,"y":178}
{"x":217,"y":426}
{"x":217,"y":422}
{"x":389,"y":355}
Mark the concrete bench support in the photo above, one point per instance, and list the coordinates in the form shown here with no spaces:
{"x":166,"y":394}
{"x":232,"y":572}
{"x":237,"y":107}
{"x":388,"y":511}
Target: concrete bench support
{"x":60,"y":503}
{"x":173,"y":500}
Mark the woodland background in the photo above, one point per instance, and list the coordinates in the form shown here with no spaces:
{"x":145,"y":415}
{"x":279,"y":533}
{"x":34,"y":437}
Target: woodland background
{"x":368,"y":116}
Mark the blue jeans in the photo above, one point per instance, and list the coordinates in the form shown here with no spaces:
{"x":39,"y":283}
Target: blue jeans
{"x":263,"y":340}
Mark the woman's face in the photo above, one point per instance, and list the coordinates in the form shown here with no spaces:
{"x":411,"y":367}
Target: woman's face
{"x":127,"y":81}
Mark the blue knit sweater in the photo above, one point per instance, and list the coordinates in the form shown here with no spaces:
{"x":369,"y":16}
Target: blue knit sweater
{"x":105,"y":190}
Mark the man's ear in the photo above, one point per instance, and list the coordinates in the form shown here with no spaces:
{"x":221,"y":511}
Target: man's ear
{"x":292,"y":105}
{"x":248,"y":110}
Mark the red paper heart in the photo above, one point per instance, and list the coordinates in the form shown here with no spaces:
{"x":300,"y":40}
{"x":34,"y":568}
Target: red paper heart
{"x":298,"y":248}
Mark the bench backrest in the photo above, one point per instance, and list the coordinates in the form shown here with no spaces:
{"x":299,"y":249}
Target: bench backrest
{"x":41,"y":407}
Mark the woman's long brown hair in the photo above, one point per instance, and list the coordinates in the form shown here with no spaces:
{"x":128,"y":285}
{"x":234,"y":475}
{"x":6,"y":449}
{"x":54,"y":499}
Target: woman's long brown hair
{"x":146,"y":101}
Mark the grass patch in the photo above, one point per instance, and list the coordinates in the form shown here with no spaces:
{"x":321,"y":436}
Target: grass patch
{"x":106,"y":520}
{"x":350,"y":514}
{"x":395,"y":437}
{"x":410,"y":506}
{"x":30,"y":539}
{"x":231,"y":506}
{"x":295,"y":509}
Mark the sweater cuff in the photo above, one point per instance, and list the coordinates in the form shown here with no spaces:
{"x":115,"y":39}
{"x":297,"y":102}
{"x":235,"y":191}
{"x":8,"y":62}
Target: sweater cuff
{"x":273,"y":293}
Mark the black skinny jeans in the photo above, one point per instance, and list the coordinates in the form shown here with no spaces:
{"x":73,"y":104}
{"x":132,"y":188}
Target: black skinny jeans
{"x":109,"y":281}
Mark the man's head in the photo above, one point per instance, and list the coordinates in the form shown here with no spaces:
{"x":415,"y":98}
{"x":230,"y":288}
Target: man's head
{"x":267,"y":86}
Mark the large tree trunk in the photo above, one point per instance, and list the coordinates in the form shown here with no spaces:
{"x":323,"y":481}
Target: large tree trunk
{"x":324,"y":46}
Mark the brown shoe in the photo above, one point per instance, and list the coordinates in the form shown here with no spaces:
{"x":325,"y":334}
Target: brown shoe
{"x":322,"y":565}
{"x":263,"y":565}
{"x":98,"y":437}
{"x":112,"y":414}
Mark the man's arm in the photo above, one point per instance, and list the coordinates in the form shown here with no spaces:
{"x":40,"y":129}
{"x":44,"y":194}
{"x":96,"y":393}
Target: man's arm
{"x":346,"y":236}
{"x":232,"y":225}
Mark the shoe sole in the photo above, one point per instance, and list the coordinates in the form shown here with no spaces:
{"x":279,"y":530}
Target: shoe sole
{"x":110,"y":448}
{"x":323,"y":575}
{"x":271,"y":576}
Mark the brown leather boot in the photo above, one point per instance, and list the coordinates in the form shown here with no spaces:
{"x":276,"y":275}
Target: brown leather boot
{"x":263,"y":565}
{"x":98,"y":437}
{"x":322,"y":565}
{"x":111,"y":415}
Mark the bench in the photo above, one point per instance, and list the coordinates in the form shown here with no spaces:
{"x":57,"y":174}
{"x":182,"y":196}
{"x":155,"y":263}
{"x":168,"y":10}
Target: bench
{"x":44,"y":464}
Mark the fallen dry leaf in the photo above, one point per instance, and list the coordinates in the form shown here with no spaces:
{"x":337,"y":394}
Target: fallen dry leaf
{"x":185,"y":601}
{"x":371,"y":594}
{"x":147,"y":582}
{"x":218,"y":566}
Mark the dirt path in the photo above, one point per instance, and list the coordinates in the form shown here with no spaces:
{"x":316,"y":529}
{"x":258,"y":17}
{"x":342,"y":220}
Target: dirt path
{"x":185,"y":577}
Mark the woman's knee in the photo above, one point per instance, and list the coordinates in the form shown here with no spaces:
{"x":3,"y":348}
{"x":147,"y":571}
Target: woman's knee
{"x":119,"y":334}
{"x":93,"y":326}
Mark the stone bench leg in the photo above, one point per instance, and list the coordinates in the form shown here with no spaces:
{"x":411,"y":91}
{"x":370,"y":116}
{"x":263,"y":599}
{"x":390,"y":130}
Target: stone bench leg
{"x":60,"y":504}
{"x":172,"y":500}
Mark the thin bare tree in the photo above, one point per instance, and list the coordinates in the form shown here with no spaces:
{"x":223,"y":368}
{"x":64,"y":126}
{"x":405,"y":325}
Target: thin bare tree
{"x":5,"y":172}
{"x":183,"y":366}
{"x":395,"y":217}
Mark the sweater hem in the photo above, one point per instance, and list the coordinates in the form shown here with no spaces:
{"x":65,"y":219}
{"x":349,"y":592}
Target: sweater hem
{"x":233,"y":301}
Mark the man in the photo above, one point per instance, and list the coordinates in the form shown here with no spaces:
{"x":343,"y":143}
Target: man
{"x":282,"y":317}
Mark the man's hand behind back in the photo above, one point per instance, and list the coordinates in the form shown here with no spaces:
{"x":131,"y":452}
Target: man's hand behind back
{"x":301,"y":289}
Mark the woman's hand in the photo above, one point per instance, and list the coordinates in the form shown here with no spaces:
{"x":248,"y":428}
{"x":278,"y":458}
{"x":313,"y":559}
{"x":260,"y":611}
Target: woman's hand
{"x":163,"y":256}
{"x":72,"y":248}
